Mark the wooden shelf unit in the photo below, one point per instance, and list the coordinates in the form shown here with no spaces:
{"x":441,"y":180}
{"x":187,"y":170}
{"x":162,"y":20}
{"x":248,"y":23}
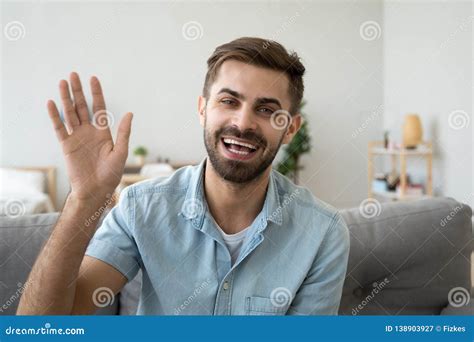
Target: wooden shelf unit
{"x":424,"y":150}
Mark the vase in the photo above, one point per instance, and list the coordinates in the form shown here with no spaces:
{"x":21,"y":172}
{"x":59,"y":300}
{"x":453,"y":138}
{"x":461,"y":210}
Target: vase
{"x":140,"y":160}
{"x":412,"y":131}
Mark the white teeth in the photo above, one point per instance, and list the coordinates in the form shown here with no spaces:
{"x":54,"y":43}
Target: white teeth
{"x":238,"y":152}
{"x":235,"y":142}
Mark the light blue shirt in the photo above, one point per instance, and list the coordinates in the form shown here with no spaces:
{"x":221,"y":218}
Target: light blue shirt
{"x":293,"y":260}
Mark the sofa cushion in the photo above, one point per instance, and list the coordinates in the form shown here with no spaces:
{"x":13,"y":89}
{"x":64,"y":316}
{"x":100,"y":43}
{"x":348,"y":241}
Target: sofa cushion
{"x":405,"y":257}
{"x":21,"y":239}
{"x":461,"y":304}
{"x":404,"y":260}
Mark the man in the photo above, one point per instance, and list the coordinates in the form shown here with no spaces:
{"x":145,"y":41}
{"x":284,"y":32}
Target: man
{"x":230,"y":236}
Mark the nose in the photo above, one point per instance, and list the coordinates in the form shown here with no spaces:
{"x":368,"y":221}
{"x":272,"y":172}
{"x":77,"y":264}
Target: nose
{"x":244,"y":119}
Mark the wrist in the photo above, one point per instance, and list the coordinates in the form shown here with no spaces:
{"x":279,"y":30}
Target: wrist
{"x":91,"y":203}
{"x":84,"y":212}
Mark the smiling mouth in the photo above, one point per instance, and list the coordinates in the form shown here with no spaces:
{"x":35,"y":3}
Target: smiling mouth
{"x":238,"y":149}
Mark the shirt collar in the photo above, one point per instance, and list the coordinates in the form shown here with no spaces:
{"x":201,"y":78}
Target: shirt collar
{"x":272,"y":206}
{"x":195,"y":206}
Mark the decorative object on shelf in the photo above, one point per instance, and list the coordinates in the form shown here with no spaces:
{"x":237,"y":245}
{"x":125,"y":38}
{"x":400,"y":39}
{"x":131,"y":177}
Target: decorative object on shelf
{"x":393,"y":179}
{"x":140,"y":154}
{"x":385,"y":139}
{"x":160,"y":159}
{"x":412,"y":190}
{"x":412,"y":131}
{"x":379,"y":184}
{"x":299,"y":145}
{"x":398,"y":185}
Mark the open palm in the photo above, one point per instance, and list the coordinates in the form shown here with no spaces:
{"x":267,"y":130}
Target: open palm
{"x":94,"y":163}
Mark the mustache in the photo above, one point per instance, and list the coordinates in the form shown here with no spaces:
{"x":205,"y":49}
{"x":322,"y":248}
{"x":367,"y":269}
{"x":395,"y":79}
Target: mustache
{"x":248,"y":135}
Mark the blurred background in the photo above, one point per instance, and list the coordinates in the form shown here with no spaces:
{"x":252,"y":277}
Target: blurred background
{"x":383,"y":78}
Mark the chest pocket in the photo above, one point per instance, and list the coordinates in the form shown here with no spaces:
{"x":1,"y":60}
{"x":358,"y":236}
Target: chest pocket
{"x":264,"y":306}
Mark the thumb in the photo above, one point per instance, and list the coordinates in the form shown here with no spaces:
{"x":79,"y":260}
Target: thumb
{"x":123,"y":133}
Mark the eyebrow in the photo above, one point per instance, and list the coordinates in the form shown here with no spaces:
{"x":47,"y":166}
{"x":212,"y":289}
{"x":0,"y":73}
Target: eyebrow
{"x":265,"y":100}
{"x":259,"y":101}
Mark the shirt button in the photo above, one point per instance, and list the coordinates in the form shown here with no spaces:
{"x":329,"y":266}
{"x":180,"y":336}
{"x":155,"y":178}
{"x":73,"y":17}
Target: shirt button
{"x":226,"y":285}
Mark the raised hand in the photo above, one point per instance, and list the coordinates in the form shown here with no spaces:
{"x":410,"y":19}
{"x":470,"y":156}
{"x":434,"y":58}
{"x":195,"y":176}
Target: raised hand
{"x":94,"y":163}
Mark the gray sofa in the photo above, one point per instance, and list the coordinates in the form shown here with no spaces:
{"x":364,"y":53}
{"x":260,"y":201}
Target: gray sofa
{"x":405,"y":260}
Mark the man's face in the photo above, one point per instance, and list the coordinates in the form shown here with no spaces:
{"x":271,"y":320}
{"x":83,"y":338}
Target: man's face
{"x":241,"y":136}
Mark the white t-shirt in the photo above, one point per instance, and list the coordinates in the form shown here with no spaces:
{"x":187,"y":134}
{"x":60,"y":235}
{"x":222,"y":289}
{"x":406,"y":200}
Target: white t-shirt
{"x":233,"y":242}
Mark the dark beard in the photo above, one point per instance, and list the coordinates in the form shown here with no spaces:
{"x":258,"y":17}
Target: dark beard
{"x":237,"y":171}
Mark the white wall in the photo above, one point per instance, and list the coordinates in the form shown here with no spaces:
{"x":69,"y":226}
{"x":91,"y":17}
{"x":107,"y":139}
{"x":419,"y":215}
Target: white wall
{"x":146,"y":66}
{"x":428,"y":70}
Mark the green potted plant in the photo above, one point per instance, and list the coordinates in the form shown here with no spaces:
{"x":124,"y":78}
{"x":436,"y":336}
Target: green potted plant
{"x":140,"y":154}
{"x":301,"y":144}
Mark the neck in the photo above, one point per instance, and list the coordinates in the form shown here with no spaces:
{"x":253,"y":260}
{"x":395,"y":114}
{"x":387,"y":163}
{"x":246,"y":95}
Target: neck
{"x":234,"y":206}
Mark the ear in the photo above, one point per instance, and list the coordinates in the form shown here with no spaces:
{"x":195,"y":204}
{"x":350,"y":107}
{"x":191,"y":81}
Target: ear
{"x":293,"y":128}
{"x":202,"y":109}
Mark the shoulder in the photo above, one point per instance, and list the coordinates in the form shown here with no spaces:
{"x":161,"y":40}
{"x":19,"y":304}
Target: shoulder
{"x":176,"y":183}
{"x":160,"y":197}
{"x":313,"y":213}
{"x":166,"y":193}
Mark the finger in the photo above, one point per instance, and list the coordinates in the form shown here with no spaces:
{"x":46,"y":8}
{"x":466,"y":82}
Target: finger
{"x":123,"y":134}
{"x":98,"y":102}
{"x":58,"y":125}
{"x":79,"y":99}
{"x":70,"y":114}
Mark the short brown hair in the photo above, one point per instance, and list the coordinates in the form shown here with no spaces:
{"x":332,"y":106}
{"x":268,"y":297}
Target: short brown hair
{"x":264,"y":53}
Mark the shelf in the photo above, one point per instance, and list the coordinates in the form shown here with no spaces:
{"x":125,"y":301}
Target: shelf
{"x":401,"y":156}
{"x":393,"y":195}
{"x":397,"y":152}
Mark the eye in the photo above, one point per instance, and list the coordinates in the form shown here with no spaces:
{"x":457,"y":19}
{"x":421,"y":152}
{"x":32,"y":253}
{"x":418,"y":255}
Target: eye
{"x":265,"y":110}
{"x":228,"y":101}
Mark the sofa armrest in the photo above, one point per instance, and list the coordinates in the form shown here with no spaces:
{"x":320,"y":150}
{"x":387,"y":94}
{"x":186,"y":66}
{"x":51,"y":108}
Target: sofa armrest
{"x":465,"y":310}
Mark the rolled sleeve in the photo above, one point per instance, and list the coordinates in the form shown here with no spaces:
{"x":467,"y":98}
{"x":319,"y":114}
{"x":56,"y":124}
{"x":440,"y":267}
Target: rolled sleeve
{"x":320,"y":293}
{"x":113,"y":242}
